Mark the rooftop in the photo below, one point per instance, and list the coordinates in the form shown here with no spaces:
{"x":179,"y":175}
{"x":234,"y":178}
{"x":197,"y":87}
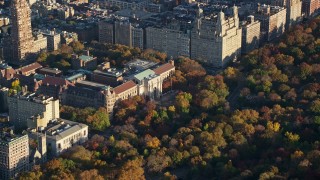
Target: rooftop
{"x":86,"y":58}
{"x":109,"y":72}
{"x":33,"y":97}
{"x":163,"y":68}
{"x":60,"y":128}
{"x":9,"y":137}
{"x":75,"y":76}
{"x":4,"y":65}
{"x":123,"y":87}
{"x":144,"y":74}
{"x":55,"y":81}
{"x":90,"y":84}
{"x":50,"y":70}
{"x":140,"y":65}
{"x":30,"y":67}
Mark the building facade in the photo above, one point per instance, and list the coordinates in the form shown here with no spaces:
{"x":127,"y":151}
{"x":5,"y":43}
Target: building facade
{"x":62,"y":134}
{"x":53,"y":40}
{"x":294,"y":8}
{"x":217,"y":41}
{"x":84,"y":62}
{"x":250,"y":35}
{"x":106,"y":32}
{"x":14,"y":155}
{"x":273,"y":21}
{"x":22,"y":107}
{"x":171,"y":41}
{"x":310,"y":7}
{"x":21,"y":35}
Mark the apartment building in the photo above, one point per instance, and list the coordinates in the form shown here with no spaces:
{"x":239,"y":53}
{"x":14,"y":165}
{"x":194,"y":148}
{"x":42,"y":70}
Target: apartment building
{"x":169,"y":40}
{"x":273,"y":21}
{"x":216,"y":41}
{"x":294,"y":8}
{"x":14,"y":155}
{"x":121,"y":31}
{"x":310,"y":7}
{"x":106,"y":31}
{"x":40,"y":43}
{"x":53,"y":40}
{"x":24,"y":106}
{"x":250,"y":35}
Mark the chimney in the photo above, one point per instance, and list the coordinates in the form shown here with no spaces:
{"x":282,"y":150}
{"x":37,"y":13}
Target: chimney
{"x":87,"y":52}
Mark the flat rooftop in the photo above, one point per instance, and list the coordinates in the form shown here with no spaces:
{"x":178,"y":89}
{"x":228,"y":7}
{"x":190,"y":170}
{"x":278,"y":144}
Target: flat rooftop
{"x":90,"y":84}
{"x":145,"y":74}
{"x":86,"y":58}
{"x":60,"y":128}
{"x":75,"y":76}
{"x":140,"y":65}
{"x":33,"y":97}
{"x":50,"y":70}
{"x":113,"y":72}
{"x":7,"y":137}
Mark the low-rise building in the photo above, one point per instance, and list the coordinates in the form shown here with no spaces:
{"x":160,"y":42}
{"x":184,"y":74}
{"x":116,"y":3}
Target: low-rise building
{"x":165,"y":71}
{"x":77,"y":77}
{"x":29,"y":69}
{"x":46,"y":71}
{"x":68,"y":37}
{"x":84,"y":62}
{"x":6,"y":74}
{"x":125,"y":91}
{"x":89,"y":94}
{"x":60,"y":135}
{"x":149,"y":84}
{"x":54,"y":86}
{"x":106,"y":75}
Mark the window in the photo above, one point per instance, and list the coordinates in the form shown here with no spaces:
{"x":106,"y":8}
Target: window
{"x":84,"y":132}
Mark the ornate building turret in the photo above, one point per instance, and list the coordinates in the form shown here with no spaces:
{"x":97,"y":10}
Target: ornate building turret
{"x":220,"y":24}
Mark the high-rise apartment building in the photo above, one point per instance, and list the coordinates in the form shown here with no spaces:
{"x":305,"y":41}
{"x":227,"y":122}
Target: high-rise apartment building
{"x":23,"y":107}
{"x":106,"y":31}
{"x":169,"y":40}
{"x":53,"y":40}
{"x":250,"y":35}
{"x":21,"y":33}
{"x":273,"y":21}
{"x":216,"y":41}
{"x":14,"y":155}
{"x":294,"y":8}
{"x":121,"y":31}
{"x":310,"y":7}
